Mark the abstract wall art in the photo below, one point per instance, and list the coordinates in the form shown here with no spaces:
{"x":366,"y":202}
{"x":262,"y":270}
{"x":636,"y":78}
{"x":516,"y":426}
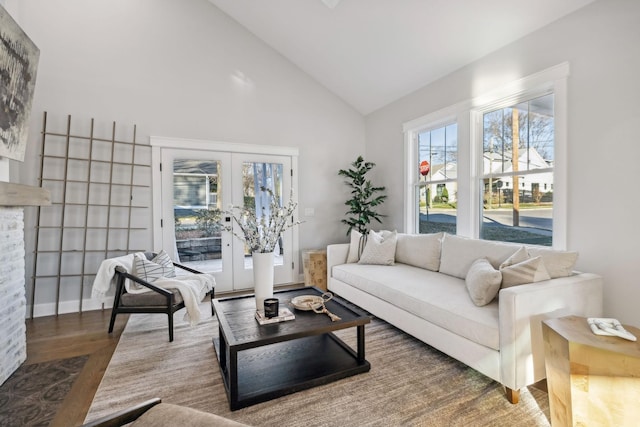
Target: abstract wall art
{"x":18,"y":65}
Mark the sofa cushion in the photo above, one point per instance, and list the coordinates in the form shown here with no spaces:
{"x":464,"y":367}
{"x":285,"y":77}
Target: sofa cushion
{"x":419,"y":250}
{"x":483,"y":282}
{"x":149,"y":299}
{"x":380,"y":248}
{"x":557,"y":263}
{"x":458,"y":253}
{"x":528,"y":271}
{"x":440,"y":299}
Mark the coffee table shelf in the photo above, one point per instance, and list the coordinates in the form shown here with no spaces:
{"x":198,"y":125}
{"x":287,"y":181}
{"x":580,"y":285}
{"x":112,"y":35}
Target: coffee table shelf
{"x":260,"y":363}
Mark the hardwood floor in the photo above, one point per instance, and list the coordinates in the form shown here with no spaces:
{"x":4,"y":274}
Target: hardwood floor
{"x":70,"y":335}
{"x":76,"y":334}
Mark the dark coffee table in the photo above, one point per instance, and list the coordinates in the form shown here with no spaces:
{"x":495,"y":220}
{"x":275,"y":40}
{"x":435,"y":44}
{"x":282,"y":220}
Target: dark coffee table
{"x":263,"y":362}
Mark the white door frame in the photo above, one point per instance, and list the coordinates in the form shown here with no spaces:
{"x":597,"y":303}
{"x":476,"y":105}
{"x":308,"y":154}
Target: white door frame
{"x":158,"y":144}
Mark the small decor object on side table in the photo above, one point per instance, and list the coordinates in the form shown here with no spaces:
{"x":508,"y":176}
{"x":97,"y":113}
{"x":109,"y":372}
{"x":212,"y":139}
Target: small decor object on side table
{"x":284,"y":314}
{"x":609,"y":327}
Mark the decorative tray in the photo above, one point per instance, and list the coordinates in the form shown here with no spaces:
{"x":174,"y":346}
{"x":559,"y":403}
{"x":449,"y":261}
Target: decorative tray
{"x":311,"y":302}
{"x":307,"y":302}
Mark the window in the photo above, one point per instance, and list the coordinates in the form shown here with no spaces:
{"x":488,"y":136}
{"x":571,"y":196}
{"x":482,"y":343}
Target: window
{"x":517,"y":152}
{"x":436,"y":179}
{"x":195,"y":192}
{"x":195,"y":184}
{"x":494,"y":165}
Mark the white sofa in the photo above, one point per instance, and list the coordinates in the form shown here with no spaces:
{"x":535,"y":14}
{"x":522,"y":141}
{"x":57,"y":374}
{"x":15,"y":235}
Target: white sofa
{"x":424,"y":293}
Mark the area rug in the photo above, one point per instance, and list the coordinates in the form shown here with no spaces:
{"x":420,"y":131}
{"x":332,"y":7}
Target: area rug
{"x":410,"y":383}
{"x":33,"y":393}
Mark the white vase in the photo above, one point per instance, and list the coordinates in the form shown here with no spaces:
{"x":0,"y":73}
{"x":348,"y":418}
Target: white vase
{"x":262,"y":277}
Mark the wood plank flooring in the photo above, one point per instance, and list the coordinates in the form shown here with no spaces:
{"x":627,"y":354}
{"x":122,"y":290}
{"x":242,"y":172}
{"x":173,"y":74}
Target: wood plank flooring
{"x":70,"y":335}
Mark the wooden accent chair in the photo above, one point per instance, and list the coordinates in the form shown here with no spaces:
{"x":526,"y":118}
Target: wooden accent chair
{"x":154,"y":413}
{"x":160,"y":300}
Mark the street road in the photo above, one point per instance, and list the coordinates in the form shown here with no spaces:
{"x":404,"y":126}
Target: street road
{"x":533,"y":218}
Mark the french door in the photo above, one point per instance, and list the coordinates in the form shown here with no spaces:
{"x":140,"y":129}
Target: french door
{"x":195,"y":185}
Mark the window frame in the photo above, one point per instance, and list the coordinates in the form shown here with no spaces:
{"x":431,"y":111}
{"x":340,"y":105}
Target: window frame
{"x":417,"y":184}
{"x":468,"y":115}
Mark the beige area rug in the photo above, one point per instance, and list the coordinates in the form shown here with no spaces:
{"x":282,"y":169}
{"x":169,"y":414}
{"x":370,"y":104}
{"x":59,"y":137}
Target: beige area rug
{"x":410,"y":383}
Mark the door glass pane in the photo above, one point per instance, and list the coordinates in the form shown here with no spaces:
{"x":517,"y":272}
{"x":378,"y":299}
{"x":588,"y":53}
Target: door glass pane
{"x":256,"y":175}
{"x":196,"y":195}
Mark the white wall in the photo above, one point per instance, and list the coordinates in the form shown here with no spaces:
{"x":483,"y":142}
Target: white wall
{"x":168,"y":67}
{"x":600,"y":42}
{"x":172,"y":68}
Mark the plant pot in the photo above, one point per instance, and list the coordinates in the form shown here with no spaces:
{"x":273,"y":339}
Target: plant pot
{"x":262,"y":277}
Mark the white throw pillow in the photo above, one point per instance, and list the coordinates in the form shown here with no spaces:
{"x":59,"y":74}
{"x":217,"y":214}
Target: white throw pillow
{"x":520,"y":255}
{"x":558,"y":263}
{"x":380,"y":248}
{"x":419,"y":250}
{"x":164,"y":260}
{"x":149,"y":270}
{"x":354,"y":245}
{"x":483,"y":282}
{"x":529,"y":271}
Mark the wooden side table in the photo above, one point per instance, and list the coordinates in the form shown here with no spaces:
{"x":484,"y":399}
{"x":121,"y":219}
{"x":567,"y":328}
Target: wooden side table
{"x":591,"y":379}
{"x":314,"y":262}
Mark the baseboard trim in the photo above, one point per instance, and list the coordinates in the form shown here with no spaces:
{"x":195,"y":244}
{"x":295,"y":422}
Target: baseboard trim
{"x":65,"y":307}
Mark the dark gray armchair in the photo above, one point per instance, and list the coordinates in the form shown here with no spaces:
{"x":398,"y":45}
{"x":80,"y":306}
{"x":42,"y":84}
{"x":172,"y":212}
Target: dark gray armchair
{"x":159,"y":300}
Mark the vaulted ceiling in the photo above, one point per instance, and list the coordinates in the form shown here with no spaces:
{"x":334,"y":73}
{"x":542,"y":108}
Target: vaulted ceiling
{"x":372,"y":52}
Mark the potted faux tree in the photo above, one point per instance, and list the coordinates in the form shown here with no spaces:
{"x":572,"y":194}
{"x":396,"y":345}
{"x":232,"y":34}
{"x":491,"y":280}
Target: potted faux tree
{"x":365,"y":198}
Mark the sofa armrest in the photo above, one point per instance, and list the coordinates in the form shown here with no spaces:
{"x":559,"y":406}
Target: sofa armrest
{"x":336,"y":255}
{"x":522,"y":309}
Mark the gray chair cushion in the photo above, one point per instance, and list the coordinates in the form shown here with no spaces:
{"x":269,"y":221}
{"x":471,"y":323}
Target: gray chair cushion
{"x":149,"y":299}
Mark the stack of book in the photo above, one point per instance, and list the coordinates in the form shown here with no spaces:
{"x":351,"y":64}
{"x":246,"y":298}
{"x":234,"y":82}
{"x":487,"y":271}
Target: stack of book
{"x":284,"y":314}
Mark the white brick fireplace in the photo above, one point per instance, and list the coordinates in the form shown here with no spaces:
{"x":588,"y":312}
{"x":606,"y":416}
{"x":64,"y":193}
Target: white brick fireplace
{"x":13,"y":302}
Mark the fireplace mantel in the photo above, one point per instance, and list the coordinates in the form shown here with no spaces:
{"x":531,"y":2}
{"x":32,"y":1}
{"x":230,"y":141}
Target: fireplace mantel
{"x":23,"y":195}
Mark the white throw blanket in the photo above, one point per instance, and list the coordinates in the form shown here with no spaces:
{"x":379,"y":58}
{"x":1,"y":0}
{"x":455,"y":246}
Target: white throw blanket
{"x":192,"y":287}
{"x":106,"y":272}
